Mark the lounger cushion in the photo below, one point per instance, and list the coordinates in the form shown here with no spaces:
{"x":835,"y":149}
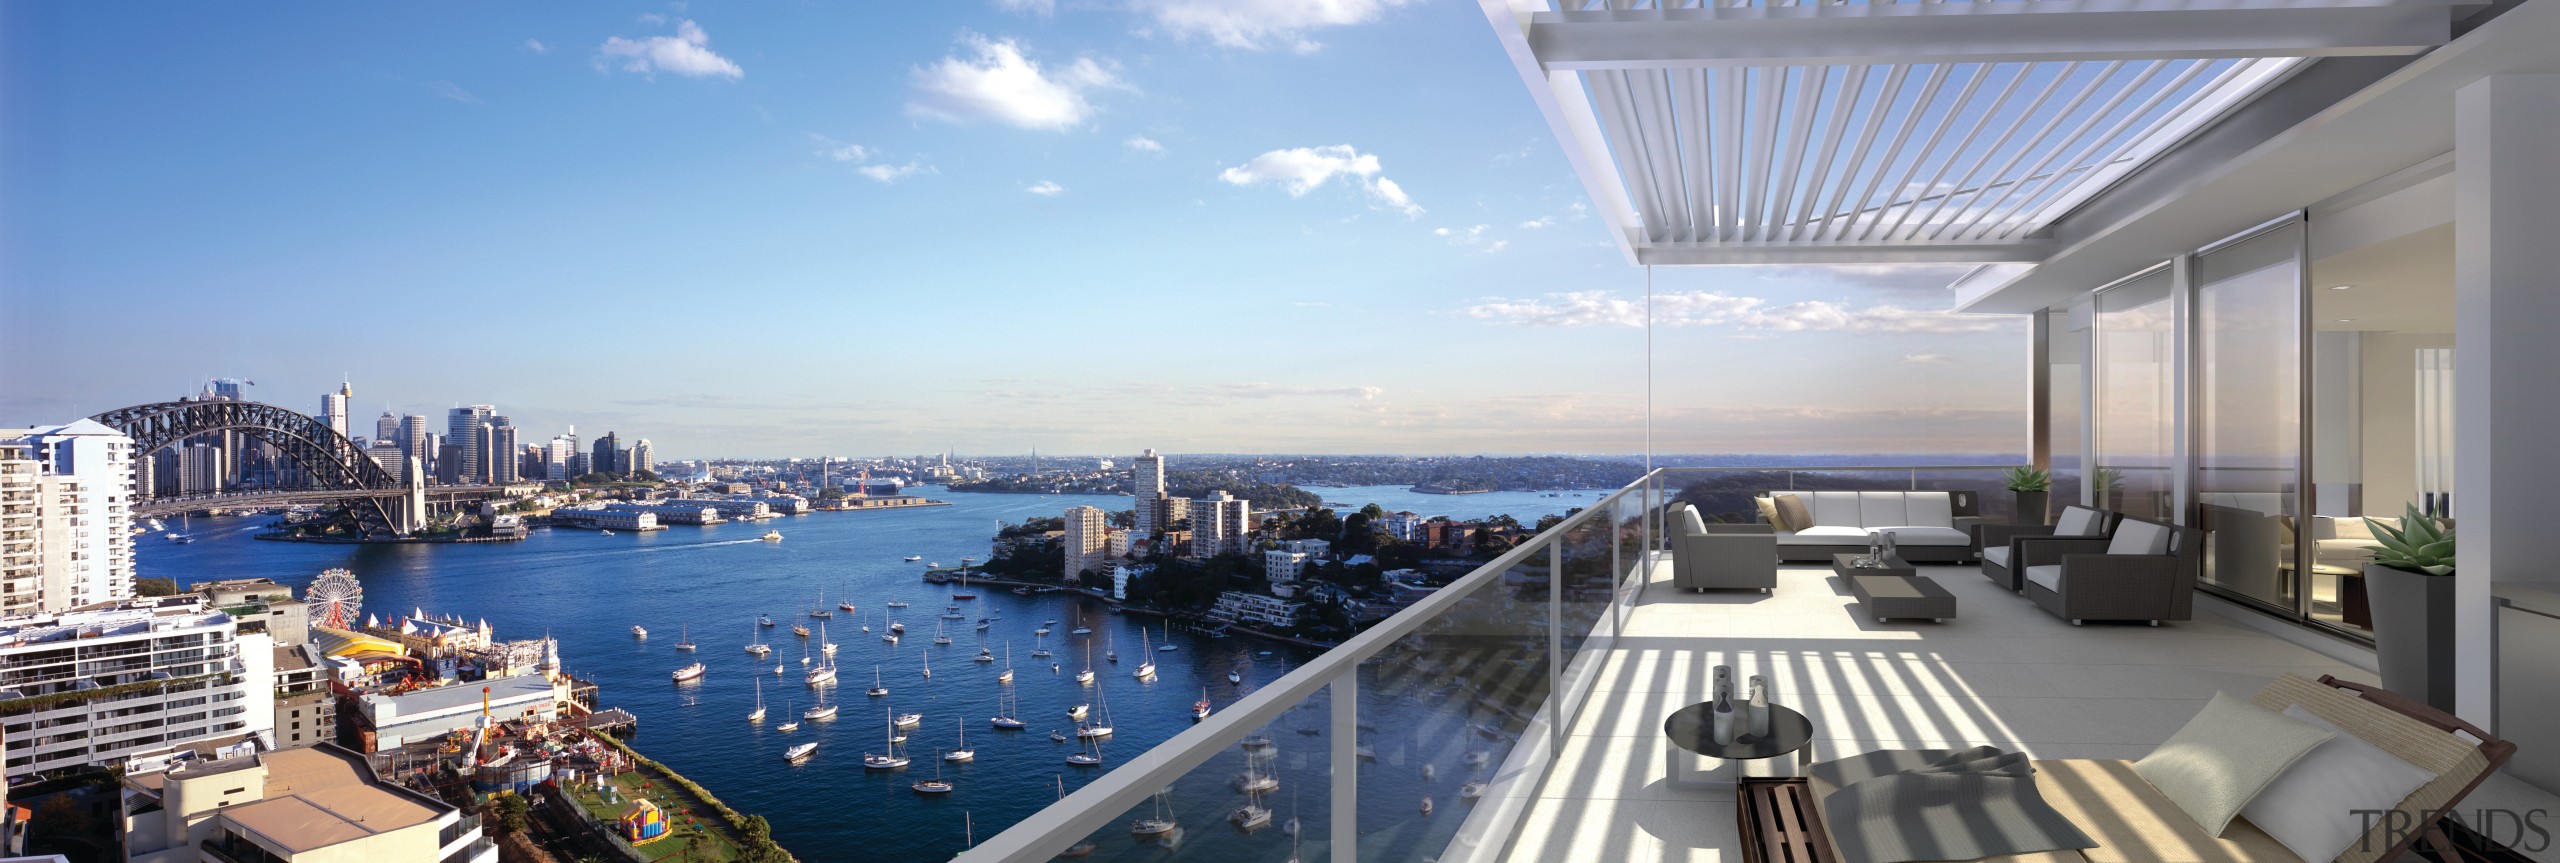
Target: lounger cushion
{"x":1996,"y":556}
{"x":2326,"y":801}
{"x":2229,"y":752}
{"x":2048,"y":576}
{"x":2134,"y":823}
{"x":2139,"y":537}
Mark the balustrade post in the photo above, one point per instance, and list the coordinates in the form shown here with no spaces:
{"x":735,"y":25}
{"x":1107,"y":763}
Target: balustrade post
{"x":1555,"y":645}
{"x":1346,"y":766}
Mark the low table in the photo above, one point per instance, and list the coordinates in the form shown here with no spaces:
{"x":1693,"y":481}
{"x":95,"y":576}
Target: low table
{"x":1894,"y":590}
{"x":1693,"y":729}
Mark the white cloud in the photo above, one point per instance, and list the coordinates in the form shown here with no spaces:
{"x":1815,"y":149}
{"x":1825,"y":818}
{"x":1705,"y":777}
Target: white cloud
{"x":536,"y":46}
{"x":686,"y":53}
{"x":1043,"y":8}
{"x":1927,"y":359}
{"x":1539,"y":222}
{"x":450,"y":90}
{"x":839,"y":150}
{"x":1576,"y":210}
{"x":1498,"y":245}
{"x":1143,"y":144}
{"x":1711,"y":308}
{"x":1045,"y":189}
{"x":652,"y":18}
{"x":887,"y":173}
{"x":1300,"y":170}
{"x":1259,"y":23}
{"x":999,"y":81}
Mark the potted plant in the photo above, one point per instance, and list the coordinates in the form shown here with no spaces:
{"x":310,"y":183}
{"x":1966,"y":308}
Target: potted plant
{"x":2409,"y":585}
{"x":2109,"y":485}
{"x":2033,"y":485}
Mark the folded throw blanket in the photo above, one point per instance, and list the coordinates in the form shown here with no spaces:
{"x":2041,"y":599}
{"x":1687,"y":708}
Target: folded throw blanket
{"x":1897,"y":806}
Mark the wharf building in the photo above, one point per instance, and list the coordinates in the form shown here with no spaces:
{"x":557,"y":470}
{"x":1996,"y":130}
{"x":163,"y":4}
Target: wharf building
{"x":671,"y":513}
{"x":605,"y":518}
{"x":99,"y":684}
{"x":750,"y":508}
{"x":322,"y":804}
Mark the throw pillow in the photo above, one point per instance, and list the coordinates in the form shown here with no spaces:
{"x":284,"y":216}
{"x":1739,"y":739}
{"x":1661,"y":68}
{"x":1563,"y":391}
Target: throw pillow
{"x":1791,"y":511}
{"x":1769,"y":512}
{"x":2321,"y":806}
{"x":2139,"y":537}
{"x":2222,"y":758}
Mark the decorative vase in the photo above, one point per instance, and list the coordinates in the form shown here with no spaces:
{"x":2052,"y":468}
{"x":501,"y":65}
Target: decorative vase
{"x":2413,"y":632}
{"x":2032,"y":507}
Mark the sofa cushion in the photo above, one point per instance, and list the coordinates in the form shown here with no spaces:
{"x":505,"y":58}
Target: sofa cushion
{"x":1856,"y":536}
{"x":1919,"y":535}
{"x":1769,"y":512}
{"x":1691,"y":522}
{"x":1836,"y":509}
{"x":2048,"y":576}
{"x":1928,"y":509}
{"x":2325,"y":802}
{"x":1880,"y":508}
{"x":1793,"y":513}
{"x":1996,"y":556}
{"x":2078,"y":521}
{"x":2140,"y":537}
{"x":2223,"y":757}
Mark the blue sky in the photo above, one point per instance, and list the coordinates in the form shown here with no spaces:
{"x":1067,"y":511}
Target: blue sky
{"x":765,"y":229}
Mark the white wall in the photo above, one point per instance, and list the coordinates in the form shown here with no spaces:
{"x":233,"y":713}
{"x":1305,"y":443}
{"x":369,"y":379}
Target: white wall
{"x":2389,"y":418}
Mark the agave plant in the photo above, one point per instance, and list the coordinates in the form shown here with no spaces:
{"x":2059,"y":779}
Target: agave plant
{"x":2029,"y":478}
{"x":2419,"y":544}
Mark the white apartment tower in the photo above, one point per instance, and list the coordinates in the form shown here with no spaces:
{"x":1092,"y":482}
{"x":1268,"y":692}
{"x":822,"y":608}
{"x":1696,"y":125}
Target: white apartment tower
{"x":1219,"y":523}
{"x":643,"y":456}
{"x":333,"y":408}
{"x":1086,"y":540}
{"x":1147,"y":484}
{"x":83,"y":512}
{"x":20,"y":555}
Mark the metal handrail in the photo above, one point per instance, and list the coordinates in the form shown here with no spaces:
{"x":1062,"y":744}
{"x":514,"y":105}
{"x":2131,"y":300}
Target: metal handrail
{"x":1052,"y":829}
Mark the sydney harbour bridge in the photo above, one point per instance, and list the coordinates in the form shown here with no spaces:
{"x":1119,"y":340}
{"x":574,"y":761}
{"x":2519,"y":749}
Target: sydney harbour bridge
{"x":363,"y":498}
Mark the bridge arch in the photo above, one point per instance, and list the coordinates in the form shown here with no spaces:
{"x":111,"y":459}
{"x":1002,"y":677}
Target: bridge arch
{"x":333,"y":462}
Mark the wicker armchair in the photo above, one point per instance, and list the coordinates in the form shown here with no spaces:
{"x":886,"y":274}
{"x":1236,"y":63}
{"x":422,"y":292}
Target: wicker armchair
{"x":2147,"y":571}
{"x":1999,"y":542}
{"x":1722,"y":556}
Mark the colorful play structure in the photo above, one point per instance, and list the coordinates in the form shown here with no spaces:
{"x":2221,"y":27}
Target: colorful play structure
{"x":642,"y":822}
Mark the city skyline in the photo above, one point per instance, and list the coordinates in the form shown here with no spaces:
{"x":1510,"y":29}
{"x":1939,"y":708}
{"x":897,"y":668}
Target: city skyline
{"x":760,"y":233}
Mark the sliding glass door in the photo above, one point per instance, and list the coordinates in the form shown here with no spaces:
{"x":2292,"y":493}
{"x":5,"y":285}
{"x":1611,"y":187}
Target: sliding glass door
{"x":2135,"y":392}
{"x":2248,"y":443}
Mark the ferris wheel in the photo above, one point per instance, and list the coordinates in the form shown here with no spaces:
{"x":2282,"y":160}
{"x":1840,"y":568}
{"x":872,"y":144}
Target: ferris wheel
{"x":335,"y":599}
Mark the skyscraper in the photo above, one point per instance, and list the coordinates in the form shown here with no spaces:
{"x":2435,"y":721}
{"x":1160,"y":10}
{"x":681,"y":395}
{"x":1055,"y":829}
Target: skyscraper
{"x":414,"y":444}
{"x":387,"y":428}
{"x":1219,"y":523}
{"x":608,"y":455}
{"x":1146,"y":483}
{"x":333,"y":408}
{"x":1085,"y":541}
{"x":462,"y":432}
{"x":83,"y":513}
{"x":502,"y":450}
{"x":643,"y":457}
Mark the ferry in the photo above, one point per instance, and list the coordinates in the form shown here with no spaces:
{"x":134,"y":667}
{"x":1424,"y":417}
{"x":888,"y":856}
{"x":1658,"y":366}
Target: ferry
{"x":183,"y":540}
{"x":690,"y":672}
{"x":771,"y":536}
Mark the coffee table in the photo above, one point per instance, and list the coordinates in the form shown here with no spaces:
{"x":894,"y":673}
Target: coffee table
{"x":1692,"y":728}
{"x":1894,"y":590}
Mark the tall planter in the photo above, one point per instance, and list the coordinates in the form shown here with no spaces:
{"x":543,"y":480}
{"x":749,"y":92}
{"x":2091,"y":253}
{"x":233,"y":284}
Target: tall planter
{"x":2413,"y":632}
{"x":2032,"y":507}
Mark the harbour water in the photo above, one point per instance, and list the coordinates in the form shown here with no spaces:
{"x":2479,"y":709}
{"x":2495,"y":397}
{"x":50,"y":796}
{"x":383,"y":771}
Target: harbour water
{"x":710,"y":582}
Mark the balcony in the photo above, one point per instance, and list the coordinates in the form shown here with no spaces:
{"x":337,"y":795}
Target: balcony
{"x":1544,"y":698}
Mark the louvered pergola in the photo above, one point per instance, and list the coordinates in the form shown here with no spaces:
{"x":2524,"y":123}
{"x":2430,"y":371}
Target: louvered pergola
{"x":1876,"y":131}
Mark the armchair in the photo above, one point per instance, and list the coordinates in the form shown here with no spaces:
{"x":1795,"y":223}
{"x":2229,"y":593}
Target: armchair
{"x":2000,"y":541}
{"x":1727,"y":556}
{"x":2146,"y":571}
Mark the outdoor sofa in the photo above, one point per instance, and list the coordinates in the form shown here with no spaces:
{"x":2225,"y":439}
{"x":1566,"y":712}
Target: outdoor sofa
{"x":1927,"y":526}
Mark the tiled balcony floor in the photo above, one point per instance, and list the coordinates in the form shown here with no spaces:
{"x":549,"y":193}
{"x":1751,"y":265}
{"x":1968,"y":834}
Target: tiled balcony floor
{"x":2004,"y":672}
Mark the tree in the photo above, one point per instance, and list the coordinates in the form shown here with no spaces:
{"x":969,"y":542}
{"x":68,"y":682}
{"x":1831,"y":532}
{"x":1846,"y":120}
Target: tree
{"x":511,"y":813}
{"x":155,"y":587}
{"x":1374,"y":512}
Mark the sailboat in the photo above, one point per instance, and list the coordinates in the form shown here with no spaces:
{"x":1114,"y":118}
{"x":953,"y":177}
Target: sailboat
{"x":800,"y":629}
{"x":1005,"y":710}
{"x":790,"y":726}
{"x":1101,"y":727}
{"x":758,"y":716}
{"x":1111,"y":651}
{"x":684,"y":638}
{"x":1039,"y":646}
{"x":938,"y":637}
{"x":985,"y":655}
{"x":889,"y":630}
{"x":1156,"y":826}
{"x":822,"y":710}
{"x":777,"y":669}
{"x":890,"y":761}
{"x":928,"y":666}
{"x":877,"y":689}
{"x":1080,"y":629}
{"x":1082,"y":758}
{"x":1080,"y":849}
{"x":964,"y":753}
{"x":846,"y":606}
{"x":1007,"y":676}
{"x":755,"y":642}
{"x":821,"y":611}
{"x":934,"y":785}
{"x":825,"y":673}
{"x":1200,"y":708}
{"x":1253,"y":780}
{"x":1086,"y":676}
{"x":1147,"y":664}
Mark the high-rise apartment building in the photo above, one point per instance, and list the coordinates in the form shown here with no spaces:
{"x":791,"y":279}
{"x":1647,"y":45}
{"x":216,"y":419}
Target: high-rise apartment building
{"x":333,"y":408}
{"x":20,"y":554}
{"x":1086,"y":541}
{"x":1146,"y":484}
{"x":462,"y":432}
{"x":608,"y":456}
{"x":212,"y":681}
{"x":1220,"y":523}
{"x":83,"y":512}
{"x":560,"y":461}
{"x":643,"y":457}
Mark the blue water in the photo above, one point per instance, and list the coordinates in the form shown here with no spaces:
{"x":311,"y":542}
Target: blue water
{"x":588,"y":589}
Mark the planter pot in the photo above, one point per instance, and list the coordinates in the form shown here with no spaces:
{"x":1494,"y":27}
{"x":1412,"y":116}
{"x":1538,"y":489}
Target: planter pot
{"x":2032,"y":506}
{"x":2413,"y":632}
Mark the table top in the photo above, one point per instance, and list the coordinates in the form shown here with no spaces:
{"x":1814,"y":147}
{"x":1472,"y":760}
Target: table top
{"x":1691,"y":728}
{"x":1893,"y":565}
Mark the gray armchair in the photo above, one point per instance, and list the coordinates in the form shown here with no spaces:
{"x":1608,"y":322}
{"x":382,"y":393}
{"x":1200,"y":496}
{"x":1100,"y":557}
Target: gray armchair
{"x":1722,"y":556}
{"x":2146,"y":571}
{"x":2000,"y":542}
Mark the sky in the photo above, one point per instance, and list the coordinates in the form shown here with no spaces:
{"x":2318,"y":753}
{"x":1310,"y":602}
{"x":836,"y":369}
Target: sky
{"x":873,"y":228}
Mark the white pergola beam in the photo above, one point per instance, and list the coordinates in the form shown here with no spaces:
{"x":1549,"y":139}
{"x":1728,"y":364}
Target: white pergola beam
{"x":1755,"y":254}
{"x":2004,"y":32}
